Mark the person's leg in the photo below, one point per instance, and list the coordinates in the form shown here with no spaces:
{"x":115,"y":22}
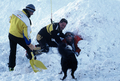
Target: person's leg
{"x":43,"y":44}
{"x":13,"y":44}
{"x":41,"y":41}
{"x":52,"y":44}
{"x":12,"y":56}
{"x":22,"y":43}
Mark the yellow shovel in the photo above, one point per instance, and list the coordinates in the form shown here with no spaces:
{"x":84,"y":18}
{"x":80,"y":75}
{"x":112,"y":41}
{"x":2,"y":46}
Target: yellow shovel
{"x":36,"y":64}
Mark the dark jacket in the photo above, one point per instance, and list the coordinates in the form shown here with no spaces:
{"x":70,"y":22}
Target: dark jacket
{"x":52,"y":31}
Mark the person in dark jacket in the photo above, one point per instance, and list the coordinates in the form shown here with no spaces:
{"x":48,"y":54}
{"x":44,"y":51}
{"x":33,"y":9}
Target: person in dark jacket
{"x":19,"y":33}
{"x":49,"y":36}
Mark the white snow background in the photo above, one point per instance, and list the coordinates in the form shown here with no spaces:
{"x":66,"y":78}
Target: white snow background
{"x":97,"y":21}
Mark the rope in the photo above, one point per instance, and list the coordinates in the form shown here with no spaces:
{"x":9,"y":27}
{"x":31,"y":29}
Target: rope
{"x":51,"y":13}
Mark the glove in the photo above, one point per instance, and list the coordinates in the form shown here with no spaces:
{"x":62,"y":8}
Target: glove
{"x":77,"y":54}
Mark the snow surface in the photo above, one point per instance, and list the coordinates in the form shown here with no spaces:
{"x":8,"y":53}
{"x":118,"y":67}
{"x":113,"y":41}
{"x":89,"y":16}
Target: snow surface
{"x":97,"y":21}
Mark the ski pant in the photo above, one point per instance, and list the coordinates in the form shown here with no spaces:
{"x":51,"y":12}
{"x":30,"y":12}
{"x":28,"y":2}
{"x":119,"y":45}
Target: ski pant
{"x":43,"y":42}
{"x":13,"y":45}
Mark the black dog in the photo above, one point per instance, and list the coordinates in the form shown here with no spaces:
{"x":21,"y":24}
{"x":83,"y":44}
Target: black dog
{"x":68,"y":60}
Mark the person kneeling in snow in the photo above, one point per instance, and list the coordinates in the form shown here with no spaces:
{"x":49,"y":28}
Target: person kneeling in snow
{"x":49,"y":36}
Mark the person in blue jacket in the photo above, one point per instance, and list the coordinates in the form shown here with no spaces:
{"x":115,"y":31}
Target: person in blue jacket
{"x":19,"y":33}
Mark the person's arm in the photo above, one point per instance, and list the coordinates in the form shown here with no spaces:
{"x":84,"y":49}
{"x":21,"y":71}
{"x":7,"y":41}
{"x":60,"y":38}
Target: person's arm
{"x":26,"y":36}
{"x":62,"y":35}
{"x":56,"y":35}
{"x":77,"y":49}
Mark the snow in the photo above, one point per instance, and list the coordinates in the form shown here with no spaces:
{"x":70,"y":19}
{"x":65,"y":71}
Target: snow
{"x":97,"y":21}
